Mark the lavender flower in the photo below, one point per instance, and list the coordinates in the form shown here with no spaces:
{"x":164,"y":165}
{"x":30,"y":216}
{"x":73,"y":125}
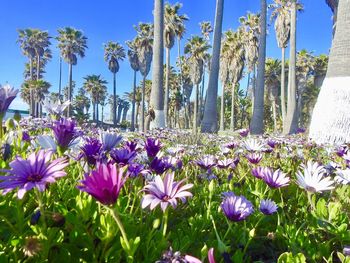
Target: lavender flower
{"x":165,"y":192}
{"x":131,"y":145}
{"x":312,"y":179}
{"x":236,"y":208}
{"x":226,"y":163}
{"x":342,"y":150}
{"x":109,"y":140}
{"x":104,"y":183}
{"x":152,"y":147}
{"x":243,"y":132}
{"x":207,"y":162}
{"x":91,"y":150}
{"x":268,"y":207}
{"x":123,"y":156}
{"x":160,"y":165}
{"x":7,"y":95}
{"x":346,"y":251}
{"x":65,"y":132}
{"x":253,"y":145}
{"x":275,"y":179}
{"x":34,"y":172}
{"x":55,"y":108}
{"x":25,"y":136}
{"x":231,"y":145}
{"x":272,"y":143}
{"x":342,"y":176}
{"x":135,"y":169}
{"x":211,"y":258}
{"x":254,"y":158}
{"x":259,"y":172}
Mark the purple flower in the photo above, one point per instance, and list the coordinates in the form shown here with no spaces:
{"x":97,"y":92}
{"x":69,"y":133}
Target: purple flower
{"x":259,"y":172}
{"x":206,"y":162}
{"x":268,"y":207}
{"x":236,"y":208}
{"x":231,"y":145}
{"x":211,"y":258}
{"x":275,"y":179}
{"x":165,"y":192}
{"x":131,"y":145}
{"x":104,"y":183}
{"x":7,"y":95}
{"x":254,"y":158}
{"x":243,"y":132}
{"x":341,"y":150}
{"x":135,"y":169}
{"x":34,"y":172}
{"x":300,"y":130}
{"x":152,"y":147}
{"x":122,"y":156}
{"x":91,"y":150}
{"x":65,"y":132}
{"x":272,"y":143}
{"x":160,"y":165}
{"x":226,"y":163}
{"x":25,"y":136}
{"x":110,"y":140}
{"x":346,"y":251}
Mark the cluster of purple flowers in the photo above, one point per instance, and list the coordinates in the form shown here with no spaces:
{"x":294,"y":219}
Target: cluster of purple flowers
{"x":274,"y":179}
{"x":65,"y":133}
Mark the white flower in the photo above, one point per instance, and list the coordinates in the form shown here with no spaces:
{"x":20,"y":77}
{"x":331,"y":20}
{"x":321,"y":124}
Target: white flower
{"x":253,"y":145}
{"x":47,"y":142}
{"x":312,"y":178}
{"x":342,"y":176}
{"x":55,"y":107}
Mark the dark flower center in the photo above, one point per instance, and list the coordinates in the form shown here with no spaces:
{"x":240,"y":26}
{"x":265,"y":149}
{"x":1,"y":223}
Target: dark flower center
{"x":311,"y":189}
{"x":166,"y":198}
{"x":34,"y":178}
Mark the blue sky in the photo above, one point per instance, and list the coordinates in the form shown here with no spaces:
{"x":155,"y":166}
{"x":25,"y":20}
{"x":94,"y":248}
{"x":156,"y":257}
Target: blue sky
{"x":106,"y":20}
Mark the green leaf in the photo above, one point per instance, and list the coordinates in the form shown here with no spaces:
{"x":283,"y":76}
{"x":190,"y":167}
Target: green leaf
{"x":287,"y":257}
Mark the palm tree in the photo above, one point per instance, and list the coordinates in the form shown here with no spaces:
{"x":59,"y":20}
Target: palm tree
{"x":126,"y":108}
{"x":257,"y":122}
{"x":135,"y":65}
{"x":209,"y":123}
{"x":206,"y":29}
{"x":120,"y":104}
{"x":281,"y":13}
{"x":304,"y":70}
{"x":272,"y":83}
{"x":196,"y":49}
{"x":96,"y":87}
{"x":112,"y":109}
{"x":330,"y":119}
{"x":320,"y":70}
{"x":144,"y":44}
{"x":157,"y":96}
{"x":114,"y":53}
{"x":236,"y":68}
{"x":172,"y":23}
{"x":72,"y":44}
{"x":333,"y":4}
{"x":291,"y":122}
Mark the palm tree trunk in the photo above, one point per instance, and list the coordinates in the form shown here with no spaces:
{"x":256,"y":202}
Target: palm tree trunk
{"x":97,"y":117}
{"x":60,"y":81}
{"x":195,"y":110}
{"x":201,"y":107}
{"x":274,"y":113}
{"x":232,"y":123}
{"x":157,"y":103}
{"x":244,"y":108}
{"x":32,"y":102}
{"x":114,"y":99}
{"x":291,"y":124}
{"x":209,"y":123}
{"x":37,"y":67}
{"x":257,"y":123}
{"x":102,"y":114}
{"x":70,"y":89}
{"x":283,"y":83}
{"x":222,"y":109}
{"x":94,"y":111}
{"x":132,"y":128}
{"x":166,"y":99}
{"x":142,"y":128}
{"x":137,"y":115}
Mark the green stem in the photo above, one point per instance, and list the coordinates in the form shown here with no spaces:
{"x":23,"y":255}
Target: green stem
{"x":250,"y":237}
{"x":309,"y":198}
{"x":1,"y":129}
{"x":41,"y":208}
{"x":165,"y":221}
{"x":121,"y":228}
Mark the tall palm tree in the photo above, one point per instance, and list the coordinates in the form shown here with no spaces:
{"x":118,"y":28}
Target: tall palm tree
{"x":172,"y":22}
{"x":72,"y":44}
{"x":135,"y":65}
{"x":257,"y":123}
{"x":304,"y":71}
{"x":96,"y":87}
{"x":126,"y":108}
{"x":330,"y":119}
{"x":114,"y":53}
{"x":320,"y":70}
{"x":157,"y":93}
{"x":272,"y":83}
{"x":209,"y":123}
{"x":333,"y":4}
{"x":291,"y":122}
{"x":196,"y":49}
{"x":144,"y":44}
{"x":281,"y":12}
{"x":236,"y":68}
{"x":206,"y":29}
{"x":112,"y":109}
